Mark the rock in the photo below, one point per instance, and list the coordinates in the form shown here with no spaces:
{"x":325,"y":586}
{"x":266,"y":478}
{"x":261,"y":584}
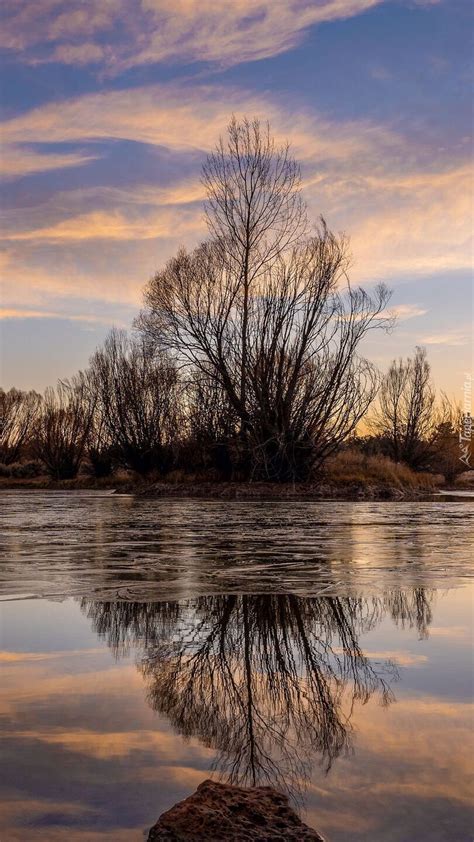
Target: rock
{"x":218,"y":812}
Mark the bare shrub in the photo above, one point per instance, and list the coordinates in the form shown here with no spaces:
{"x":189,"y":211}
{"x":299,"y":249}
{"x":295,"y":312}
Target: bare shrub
{"x":18,"y":412}
{"x":63,"y":428}
{"x":211,"y":425}
{"x":405,"y":416}
{"x":137,"y":410}
{"x":27,"y":470}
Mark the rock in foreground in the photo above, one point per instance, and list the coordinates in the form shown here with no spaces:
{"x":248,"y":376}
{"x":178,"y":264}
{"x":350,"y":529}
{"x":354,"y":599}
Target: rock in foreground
{"x":222,"y":812}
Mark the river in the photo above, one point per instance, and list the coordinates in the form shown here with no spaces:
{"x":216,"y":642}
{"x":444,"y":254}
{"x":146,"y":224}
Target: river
{"x":323,"y":648}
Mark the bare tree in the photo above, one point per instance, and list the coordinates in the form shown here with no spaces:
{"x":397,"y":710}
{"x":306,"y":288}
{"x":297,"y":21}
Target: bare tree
{"x":254,"y":211}
{"x":137,"y":394}
{"x":18,"y":411}
{"x":268,"y":311}
{"x":98,"y":447}
{"x":406,"y":412}
{"x":63,"y":428}
{"x":212,"y":425}
{"x":306,"y":388}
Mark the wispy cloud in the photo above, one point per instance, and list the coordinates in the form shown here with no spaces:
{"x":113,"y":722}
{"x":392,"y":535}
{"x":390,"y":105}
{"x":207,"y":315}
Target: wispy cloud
{"x":189,"y":118}
{"x":402,"y":312}
{"x":36,"y":278}
{"x":455,"y":337}
{"x":418,"y":224}
{"x":17,"y":161}
{"x":28,"y":23}
{"x":406,"y":207}
{"x":93,"y":242}
{"x":406,"y":212}
{"x":150,"y":31}
{"x":11,"y":313}
{"x":113,"y":225}
{"x":118,"y":744}
{"x":87,"y":53}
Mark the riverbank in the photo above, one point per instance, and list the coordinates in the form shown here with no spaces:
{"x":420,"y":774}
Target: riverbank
{"x":346,"y":476}
{"x":284,"y":491}
{"x":230,"y":490}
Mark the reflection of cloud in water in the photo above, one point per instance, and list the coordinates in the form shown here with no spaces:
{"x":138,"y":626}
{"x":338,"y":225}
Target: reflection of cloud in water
{"x":455,"y":632}
{"x":401,"y":659}
{"x":17,"y":657}
{"x":66,"y":720}
{"x":414,"y":774}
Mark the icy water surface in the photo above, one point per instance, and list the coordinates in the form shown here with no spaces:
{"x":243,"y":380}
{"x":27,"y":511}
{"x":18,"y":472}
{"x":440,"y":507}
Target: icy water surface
{"x":324,"y":648}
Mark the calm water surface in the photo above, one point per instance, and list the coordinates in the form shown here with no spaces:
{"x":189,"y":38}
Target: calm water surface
{"x":324,"y":648}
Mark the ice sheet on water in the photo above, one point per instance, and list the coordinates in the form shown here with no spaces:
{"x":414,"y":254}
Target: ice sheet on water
{"x":108,"y":546}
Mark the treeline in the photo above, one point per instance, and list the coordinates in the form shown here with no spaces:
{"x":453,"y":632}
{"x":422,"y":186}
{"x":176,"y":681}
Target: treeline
{"x":133,"y":408}
{"x":245,"y":362}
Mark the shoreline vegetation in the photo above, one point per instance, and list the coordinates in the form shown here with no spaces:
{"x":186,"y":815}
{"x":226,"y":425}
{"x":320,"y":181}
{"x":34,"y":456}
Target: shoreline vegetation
{"x":244,"y":375}
{"x":259,"y":491}
{"x":238,"y":491}
{"x":348,"y":476}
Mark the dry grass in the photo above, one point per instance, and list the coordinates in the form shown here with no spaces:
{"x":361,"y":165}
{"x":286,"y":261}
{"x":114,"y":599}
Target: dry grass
{"x":347,"y":475}
{"x":120,"y":479}
{"x":350,"y":467}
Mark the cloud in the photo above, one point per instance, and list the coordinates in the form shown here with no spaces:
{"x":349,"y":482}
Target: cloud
{"x":99,"y":225}
{"x":180,"y":193}
{"x":418,"y":224}
{"x":406,"y":211}
{"x":49,"y":684}
{"x":402,"y":312}
{"x":43,"y":276}
{"x":457,"y":337}
{"x":398,"y":770}
{"x":405,"y":205}
{"x":87,"y":53}
{"x":6,"y":313}
{"x":17,"y":161}
{"x":245,"y":30}
{"x":447,"y":723}
{"x":27,"y":23}
{"x":148,"y":31}
{"x":189,"y":119}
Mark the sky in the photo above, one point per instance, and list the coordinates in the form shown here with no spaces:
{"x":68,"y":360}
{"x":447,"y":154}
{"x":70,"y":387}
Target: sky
{"x":109,"y":108}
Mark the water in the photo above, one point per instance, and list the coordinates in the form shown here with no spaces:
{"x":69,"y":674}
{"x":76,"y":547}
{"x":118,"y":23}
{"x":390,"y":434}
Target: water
{"x":324,"y":648}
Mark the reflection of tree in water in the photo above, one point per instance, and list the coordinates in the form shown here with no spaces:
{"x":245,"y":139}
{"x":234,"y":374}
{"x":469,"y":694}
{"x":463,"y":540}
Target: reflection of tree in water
{"x":269,"y":681}
{"x":410,"y":609}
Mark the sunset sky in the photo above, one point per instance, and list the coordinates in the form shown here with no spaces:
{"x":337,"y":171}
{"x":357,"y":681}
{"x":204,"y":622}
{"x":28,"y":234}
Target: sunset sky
{"x":109,"y":107}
